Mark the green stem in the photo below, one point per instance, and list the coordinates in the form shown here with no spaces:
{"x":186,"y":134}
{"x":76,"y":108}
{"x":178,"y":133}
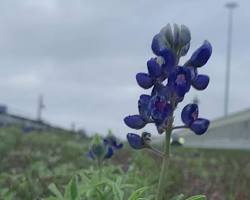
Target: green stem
{"x":165,"y":163}
{"x":156,"y":151}
{"x":99,"y":165}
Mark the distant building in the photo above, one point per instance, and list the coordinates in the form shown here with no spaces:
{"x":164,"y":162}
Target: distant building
{"x":228,"y":132}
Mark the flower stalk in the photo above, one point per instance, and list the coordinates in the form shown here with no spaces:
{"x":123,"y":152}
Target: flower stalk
{"x":179,"y":127}
{"x":169,"y":45}
{"x":165,"y":164}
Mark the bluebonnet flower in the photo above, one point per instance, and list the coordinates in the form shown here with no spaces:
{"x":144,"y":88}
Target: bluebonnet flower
{"x":98,"y":150}
{"x":144,"y":80}
{"x":189,"y":116}
{"x":158,"y":71}
{"x":201,"y":55}
{"x":160,"y":109}
{"x":112,"y":142}
{"x":135,"y":121}
{"x":180,"y":81}
{"x":198,"y":59}
{"x":153,"y":108}
{"x":137,"y":141}
{"x":169,"y":45}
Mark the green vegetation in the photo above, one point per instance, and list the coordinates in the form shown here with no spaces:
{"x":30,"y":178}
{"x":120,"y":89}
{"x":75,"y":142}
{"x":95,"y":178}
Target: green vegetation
{"x":54,"y":166}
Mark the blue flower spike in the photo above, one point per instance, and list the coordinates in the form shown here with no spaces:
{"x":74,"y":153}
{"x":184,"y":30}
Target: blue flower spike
{"x":169,"y":83}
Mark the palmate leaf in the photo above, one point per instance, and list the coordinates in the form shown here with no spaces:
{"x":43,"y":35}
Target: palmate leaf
{"x":197,"y":197}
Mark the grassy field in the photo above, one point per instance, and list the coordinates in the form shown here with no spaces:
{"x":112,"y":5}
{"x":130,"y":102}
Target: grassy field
{"x":31,"y":162}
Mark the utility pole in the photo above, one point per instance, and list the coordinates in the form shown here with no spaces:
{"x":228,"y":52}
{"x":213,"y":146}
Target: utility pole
{"x":40,"y":107}
{"x":230,"y":6}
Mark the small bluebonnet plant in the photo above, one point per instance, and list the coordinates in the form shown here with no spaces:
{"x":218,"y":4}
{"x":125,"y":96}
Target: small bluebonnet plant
{"x":101,"y":149}
{"x":111,"y":141}
{"x":170,"y":82}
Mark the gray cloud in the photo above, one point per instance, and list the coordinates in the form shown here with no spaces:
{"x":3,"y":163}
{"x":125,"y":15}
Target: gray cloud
{"x":83,"y":56}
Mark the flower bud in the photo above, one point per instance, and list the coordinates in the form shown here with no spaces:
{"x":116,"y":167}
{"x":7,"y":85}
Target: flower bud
{"x":134,"y":121}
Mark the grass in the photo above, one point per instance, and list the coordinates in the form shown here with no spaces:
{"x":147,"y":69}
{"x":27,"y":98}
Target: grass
{"x":30,"y":162}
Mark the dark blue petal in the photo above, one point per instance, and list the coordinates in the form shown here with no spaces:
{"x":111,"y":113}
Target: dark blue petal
{"x":180,"y":81}
{"x":200,"y":126}
{"x":143,"y":107}
{"x":169,"y":60}
{"x":181,"y":90}
{"x":160,"y":109}
{"x":109,"y":153}
{"x":160,"y":116}
{"x":112,"y":142}
{"x":158,"y":44}
{"x":201,"y":82}
{"x":135,"y":141}
{"x":154,"y":69}
{"x":134,"y":121}
{"x":144,"y":80}
{"x":189,"y":114}
{"x":201,"y":55}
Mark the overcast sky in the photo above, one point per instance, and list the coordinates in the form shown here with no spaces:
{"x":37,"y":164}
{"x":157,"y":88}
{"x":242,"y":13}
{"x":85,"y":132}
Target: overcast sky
{"x":83,"y":56}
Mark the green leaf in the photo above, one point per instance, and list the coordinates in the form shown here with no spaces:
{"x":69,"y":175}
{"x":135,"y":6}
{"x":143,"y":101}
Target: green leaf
{"x":118,"y":193}
{"x":74,"y":189}
{"x":52,"y":187}
{"x":137,"y":194}
{"x":197,"y":197}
